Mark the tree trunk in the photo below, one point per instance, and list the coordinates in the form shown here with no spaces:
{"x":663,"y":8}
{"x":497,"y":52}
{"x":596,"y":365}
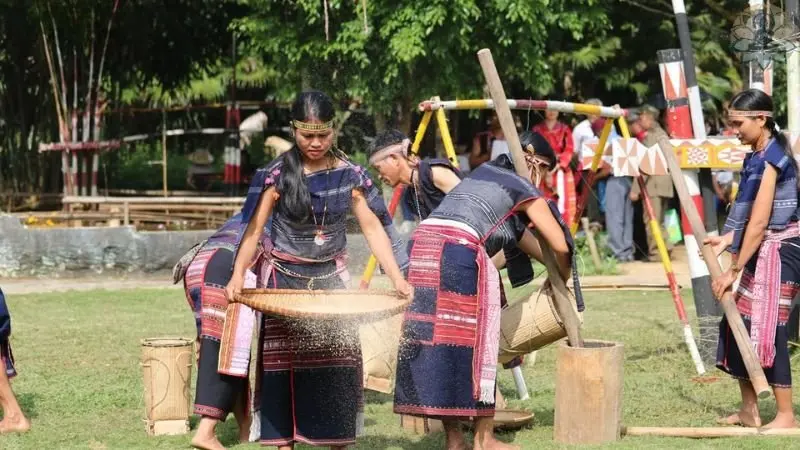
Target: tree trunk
{"x":380,"y":122}
{"x":305,"y":81}
{"x":405,"y":111}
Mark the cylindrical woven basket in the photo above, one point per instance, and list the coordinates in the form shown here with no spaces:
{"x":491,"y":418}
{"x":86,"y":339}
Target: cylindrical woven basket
{"x":529,"y":325}
{"x":167,"y":366}
{"x":335,"y":304}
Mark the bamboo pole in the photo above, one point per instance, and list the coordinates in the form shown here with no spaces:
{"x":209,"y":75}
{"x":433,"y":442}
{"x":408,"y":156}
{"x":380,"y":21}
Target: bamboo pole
{"x":541,"y":105}
{"x":60,"y":61}
{"x":447,"y":140}
{"x":90,"y":106}
{"x":754,"y":370}
{"x":562,"y":301}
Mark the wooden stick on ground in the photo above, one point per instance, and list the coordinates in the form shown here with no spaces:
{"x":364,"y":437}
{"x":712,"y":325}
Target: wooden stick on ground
{"x":708,"y":432}
{"x":754,"y":370}
{"x":562,"y":301}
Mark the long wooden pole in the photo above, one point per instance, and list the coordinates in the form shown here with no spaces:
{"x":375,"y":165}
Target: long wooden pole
{"x":708,"y":432}
{"x":562,"y":301}
{"x":539,"y":105}
{"x":754,"y":370}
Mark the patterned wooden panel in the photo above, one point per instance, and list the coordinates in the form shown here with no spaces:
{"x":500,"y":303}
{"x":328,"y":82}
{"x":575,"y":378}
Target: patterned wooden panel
{"x":626,"y":154}
{"x":710,"y":153}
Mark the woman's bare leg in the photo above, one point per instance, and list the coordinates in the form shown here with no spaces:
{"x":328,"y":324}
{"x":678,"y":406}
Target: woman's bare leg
{"x":785,"y":416}
{"x":243,"y":417}
{"x":484,"y":436}
{"x":748,"y":414}
{"x":14,"y":420}
{"x":455,"y":438}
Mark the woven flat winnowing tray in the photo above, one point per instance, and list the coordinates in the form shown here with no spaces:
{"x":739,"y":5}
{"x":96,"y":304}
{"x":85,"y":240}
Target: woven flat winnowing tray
{"x":334,"y":304}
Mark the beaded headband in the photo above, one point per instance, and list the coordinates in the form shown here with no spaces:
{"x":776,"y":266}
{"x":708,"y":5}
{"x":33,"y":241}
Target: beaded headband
{"x":305,"y":126}
{"x":741,"y":113}
{"x":399,"y":148}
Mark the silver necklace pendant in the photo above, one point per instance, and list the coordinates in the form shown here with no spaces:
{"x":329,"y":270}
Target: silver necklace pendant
{"x":319,"y":238}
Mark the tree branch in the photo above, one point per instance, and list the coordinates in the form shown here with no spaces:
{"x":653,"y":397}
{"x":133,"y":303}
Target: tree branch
{"x":671,"y":15}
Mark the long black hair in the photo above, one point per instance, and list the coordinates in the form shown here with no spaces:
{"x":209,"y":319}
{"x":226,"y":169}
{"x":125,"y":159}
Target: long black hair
{"x":757,"y":100}
{"x":385,"y":139}
{"x":295,"y":200}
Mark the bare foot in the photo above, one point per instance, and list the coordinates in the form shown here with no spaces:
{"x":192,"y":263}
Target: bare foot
{"x":782,"y":421}
{"x":494,"y":444}
{"x":14,"y":425}
{"x":743,"y":417}
{"x":207,"y":444}
{"x":458,"y":446}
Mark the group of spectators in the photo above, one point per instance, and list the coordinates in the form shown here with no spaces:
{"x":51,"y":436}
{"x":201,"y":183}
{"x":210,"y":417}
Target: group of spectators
{"x":612,"y":200}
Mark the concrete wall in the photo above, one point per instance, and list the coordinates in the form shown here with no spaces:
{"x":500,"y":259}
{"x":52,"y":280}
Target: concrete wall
{"x":26,"y":252}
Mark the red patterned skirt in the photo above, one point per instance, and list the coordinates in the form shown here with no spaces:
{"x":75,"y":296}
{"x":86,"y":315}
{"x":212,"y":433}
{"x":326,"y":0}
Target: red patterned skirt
{"x":729,"y":359}
{"x":447,"y":357}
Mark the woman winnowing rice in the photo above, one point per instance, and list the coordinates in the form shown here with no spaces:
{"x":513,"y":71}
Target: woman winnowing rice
{"x":762,"y":233}
{"x":310,"y":390}
{"x":448,"y":352}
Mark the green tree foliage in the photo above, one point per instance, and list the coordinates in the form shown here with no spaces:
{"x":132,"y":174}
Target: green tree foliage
{"x":388,"y":54}
{"x":151,"y":43}
{"x":410,"y":50}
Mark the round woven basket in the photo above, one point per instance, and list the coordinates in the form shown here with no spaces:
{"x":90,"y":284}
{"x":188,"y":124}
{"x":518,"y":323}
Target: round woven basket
{"x":336,"y":304}
{"x":529,"y":325}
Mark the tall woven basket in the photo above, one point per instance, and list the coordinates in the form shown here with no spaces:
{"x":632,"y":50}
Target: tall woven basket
{"x":167,"y":367}
{"x":531,"y":324}
{"x":380,"y":342}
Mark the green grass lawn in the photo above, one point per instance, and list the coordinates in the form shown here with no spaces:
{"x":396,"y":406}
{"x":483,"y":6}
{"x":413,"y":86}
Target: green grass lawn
{"x":81,"y":383}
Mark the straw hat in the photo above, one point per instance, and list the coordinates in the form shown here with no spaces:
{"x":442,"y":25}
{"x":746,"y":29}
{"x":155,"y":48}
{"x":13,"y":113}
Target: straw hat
{"x":201,"y":156}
